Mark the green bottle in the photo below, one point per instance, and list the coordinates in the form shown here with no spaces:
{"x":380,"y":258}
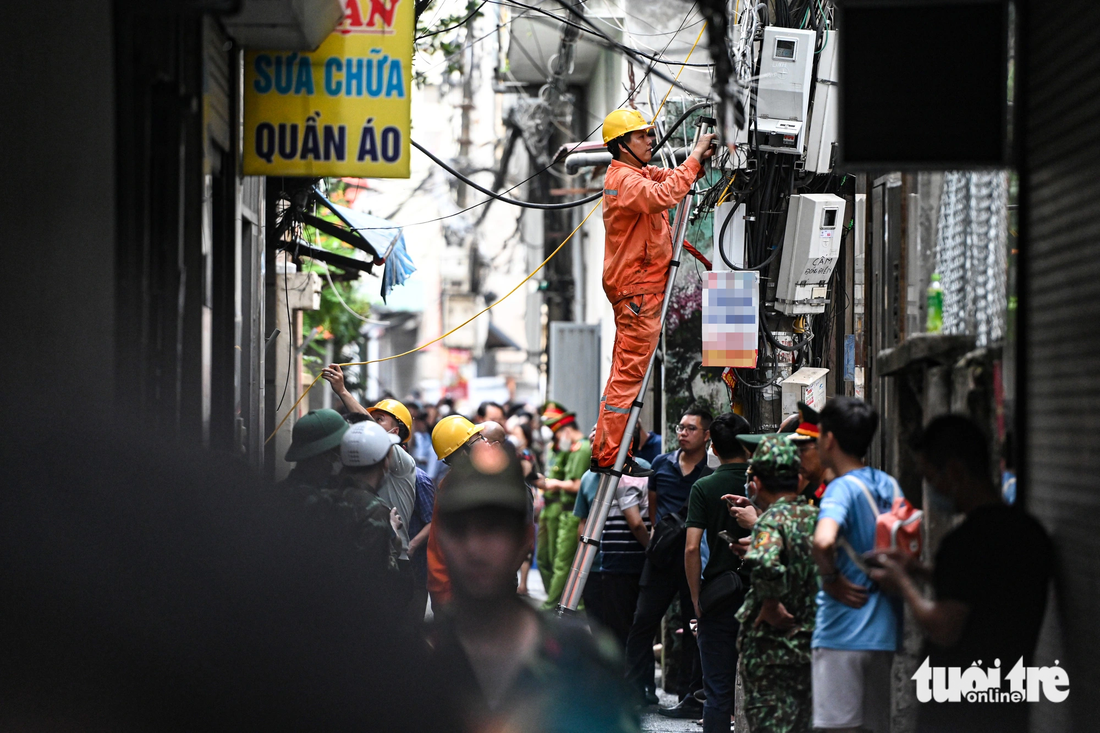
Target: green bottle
{"x":935,"y":305}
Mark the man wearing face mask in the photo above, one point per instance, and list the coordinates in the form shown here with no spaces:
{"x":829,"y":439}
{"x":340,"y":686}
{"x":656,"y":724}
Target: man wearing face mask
{"x":315,"y":451}
{"x":638,"y":249}
{"x":557,"y":525}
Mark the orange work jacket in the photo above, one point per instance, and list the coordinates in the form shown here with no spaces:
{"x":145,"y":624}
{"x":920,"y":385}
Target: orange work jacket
{"x":439,"y":579}
{"x":638,"y":237}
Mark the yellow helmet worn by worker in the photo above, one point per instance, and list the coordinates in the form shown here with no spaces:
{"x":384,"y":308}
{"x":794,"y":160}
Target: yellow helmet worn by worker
{"x":396,"y":409}
{"x":451,"y":433}
{"x":622,"y":121}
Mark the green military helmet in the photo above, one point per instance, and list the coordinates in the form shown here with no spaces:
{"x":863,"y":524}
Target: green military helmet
{"x":776,"y":456}
{"x":315,"y":433}
{"x":752,"y":441}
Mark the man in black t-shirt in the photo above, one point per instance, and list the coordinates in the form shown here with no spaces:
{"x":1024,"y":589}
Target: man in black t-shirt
{"x":717,"y":591}
{"x":990,"y":578}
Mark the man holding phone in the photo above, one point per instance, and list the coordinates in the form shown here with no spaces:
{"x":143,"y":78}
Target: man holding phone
{"x":717,"y":590}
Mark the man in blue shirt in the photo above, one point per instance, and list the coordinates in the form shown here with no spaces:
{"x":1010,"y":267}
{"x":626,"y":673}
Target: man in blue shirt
{"x":648,"y":446}
{"x":669,"y":488}
{"x":857,"y":629}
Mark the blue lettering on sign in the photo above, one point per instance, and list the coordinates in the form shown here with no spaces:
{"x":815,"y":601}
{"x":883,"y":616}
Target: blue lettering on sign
{"x":265,"y":141}
{"x":395,"y":84}
{"x":354,"y":76}
{"x":284,"y":73}
{"x":336,"y":142}
{"x":303,"y":82}
{"x":376,"y":81}
{"x":391,"y":144}
{"x":376,"y":75}
{"x":317,"y":141}
{"x":263,"y":82}
{"x":311,"y":140}
{"x":333,"y":66}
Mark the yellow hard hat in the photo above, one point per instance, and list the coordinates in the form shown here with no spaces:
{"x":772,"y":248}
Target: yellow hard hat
{"x":396,"y":409}
{"x":622,"y":121}
{"x":451,"y":433}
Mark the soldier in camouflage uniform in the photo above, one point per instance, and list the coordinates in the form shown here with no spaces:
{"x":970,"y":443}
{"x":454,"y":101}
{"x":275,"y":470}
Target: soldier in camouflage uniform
{"x":777,"y":618}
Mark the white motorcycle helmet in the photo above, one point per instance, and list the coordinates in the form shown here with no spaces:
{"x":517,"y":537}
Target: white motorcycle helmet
{"x":365,"y":444}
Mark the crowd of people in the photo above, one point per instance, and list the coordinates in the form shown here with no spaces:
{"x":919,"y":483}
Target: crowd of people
{"x":766,"y":543}
{"x":157,"y":589}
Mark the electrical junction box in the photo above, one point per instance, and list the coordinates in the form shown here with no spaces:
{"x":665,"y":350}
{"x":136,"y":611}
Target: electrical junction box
{"x":783,"y":92}
{"x":733,"y":244}
{"x":811,"y":245}
{"x":806,"y":385}
{"x":821,"y":138}
{"x":303,"y":290}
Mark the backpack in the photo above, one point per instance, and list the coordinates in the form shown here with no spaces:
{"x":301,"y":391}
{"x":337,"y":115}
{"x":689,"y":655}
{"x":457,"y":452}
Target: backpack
{"x":899,"y":527}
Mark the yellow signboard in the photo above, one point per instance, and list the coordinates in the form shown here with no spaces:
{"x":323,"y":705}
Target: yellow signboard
{"x":342,"y":110}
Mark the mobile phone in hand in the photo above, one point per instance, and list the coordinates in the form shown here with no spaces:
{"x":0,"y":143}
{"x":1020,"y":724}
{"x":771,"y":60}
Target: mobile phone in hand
{"x":727,"y":537}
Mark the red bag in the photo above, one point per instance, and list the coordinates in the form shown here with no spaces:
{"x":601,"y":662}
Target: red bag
{"x":897,"y":528}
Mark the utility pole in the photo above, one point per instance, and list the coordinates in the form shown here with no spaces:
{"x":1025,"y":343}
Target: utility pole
{"x":467,"y":105}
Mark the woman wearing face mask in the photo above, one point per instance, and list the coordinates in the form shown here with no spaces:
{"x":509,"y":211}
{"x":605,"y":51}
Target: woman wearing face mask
{"x":522,"y":437}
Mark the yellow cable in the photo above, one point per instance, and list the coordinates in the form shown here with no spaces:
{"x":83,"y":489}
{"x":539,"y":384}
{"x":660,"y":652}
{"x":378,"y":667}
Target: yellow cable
{"x":681,"y":71}
{"x":724,"y":191}
{"x":439,"y":338}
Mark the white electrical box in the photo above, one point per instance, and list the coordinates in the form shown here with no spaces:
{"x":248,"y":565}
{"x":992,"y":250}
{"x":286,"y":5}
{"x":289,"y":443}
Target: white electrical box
{"x":821,"y":138}
{"x":806,"y":385}
{"x":783,"y":92}
{"x":811,"y":245}
{"x":733,"y":244}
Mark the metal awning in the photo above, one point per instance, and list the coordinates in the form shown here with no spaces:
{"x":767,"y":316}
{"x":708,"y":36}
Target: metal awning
{"x":283,"y":25}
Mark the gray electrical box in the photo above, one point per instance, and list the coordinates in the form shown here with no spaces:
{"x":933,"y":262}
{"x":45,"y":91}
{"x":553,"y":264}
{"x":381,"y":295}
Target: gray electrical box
{"x":811,"y":246}
{"x":783,"y":92}
{"x":821,"y":139}
{"x":574,"y":378}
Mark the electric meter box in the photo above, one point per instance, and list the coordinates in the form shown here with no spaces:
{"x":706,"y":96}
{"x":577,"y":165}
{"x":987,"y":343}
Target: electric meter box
{"x":821,"y":139}
{"x":806,"y":385}
{"x":811,"y":246}
{"x":783,"y":93}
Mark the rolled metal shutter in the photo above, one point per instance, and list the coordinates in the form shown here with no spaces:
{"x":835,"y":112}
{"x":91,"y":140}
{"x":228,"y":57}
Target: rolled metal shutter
{"x":1059,"y":78}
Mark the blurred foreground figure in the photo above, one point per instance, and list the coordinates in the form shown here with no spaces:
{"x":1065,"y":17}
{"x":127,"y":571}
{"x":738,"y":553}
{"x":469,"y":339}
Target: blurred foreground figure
{"x":509,"y":667}
{"x":150,"y":588}
{"x":989,"y":581}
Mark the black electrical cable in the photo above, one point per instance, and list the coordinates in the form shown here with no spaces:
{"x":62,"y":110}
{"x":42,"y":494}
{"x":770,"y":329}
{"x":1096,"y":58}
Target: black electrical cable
{"x":498,"y":197}
{"x":456,"y":25}
{"x":593,"y":29}
{"x":679,"y":121}
{"x":612,"y":44}
{"x":774,"y":341}
{"x":533,"y":205}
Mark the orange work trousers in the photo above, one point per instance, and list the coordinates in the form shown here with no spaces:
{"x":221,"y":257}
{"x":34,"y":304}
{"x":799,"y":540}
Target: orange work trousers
{"x":637,"y":331}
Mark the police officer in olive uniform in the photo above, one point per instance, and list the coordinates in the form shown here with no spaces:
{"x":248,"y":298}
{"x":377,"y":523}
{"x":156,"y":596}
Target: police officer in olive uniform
{"x":777,"y":618}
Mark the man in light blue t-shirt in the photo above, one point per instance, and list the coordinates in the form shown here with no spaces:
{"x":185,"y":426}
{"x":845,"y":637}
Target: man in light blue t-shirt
{"x":857,"y":629}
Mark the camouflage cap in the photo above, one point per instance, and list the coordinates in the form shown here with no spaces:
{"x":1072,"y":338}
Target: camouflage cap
{"x":776,"y":456}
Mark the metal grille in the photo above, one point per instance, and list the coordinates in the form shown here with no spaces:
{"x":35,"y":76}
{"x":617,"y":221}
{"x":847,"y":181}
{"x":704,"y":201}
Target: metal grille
{"x":971,"y":255}
{"x":1061,"y":303}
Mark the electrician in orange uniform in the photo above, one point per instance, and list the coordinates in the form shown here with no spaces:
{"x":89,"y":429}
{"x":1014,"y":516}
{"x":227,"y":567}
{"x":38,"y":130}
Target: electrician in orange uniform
{"x":637,"y":255}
